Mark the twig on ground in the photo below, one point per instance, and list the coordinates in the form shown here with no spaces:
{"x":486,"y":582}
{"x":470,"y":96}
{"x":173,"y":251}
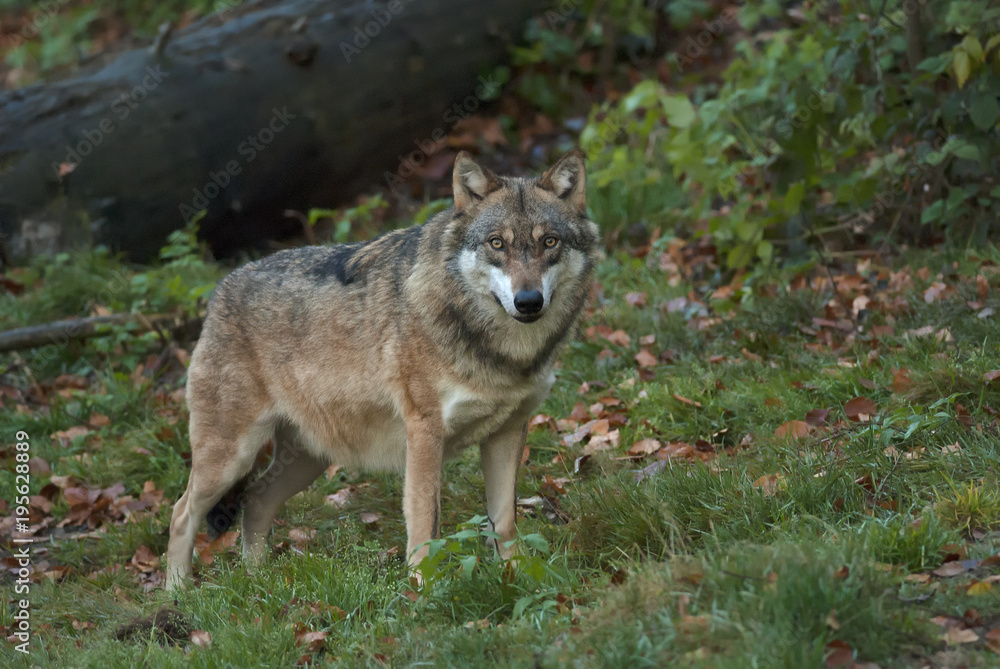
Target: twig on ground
{"x":60,"y":332}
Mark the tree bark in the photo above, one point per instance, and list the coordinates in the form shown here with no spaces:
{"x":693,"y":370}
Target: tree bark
{"x":914,"y":37}
{"x":269,"y":106}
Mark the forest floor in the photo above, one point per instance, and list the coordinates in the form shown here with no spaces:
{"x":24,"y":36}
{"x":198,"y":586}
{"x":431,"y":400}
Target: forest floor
{"x":799,"y":475}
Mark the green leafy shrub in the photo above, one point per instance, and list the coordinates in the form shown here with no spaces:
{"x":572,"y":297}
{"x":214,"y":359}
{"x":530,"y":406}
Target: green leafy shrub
{"x":820,"y":126}
{"x":460,"y":572}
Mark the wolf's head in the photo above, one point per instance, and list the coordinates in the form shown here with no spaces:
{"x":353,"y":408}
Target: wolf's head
{"x":523,"y":242}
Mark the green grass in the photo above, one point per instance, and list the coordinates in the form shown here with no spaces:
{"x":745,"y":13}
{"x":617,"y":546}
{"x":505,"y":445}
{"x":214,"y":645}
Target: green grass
{"x":761,"y":556}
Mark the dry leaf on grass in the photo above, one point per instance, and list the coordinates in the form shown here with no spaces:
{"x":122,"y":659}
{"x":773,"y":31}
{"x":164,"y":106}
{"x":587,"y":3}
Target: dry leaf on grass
{"x":145,"y":560}
{"x":951,"y":448}
{"x":769,"y":484}
{"x":794,"y":429}
{"x":66,"y":437}
{"x":839,"y":655}
{"x":645,"y":359}
{"x":311,"y":640}
{"x":207,"y":548}
{"x":201,"y":638}
{"x":620,"y":338}
{"x":644,"y":447}
{"x":817,"y":417}
{"x":977,"y":588}
{"x":901,"y":381}
{"x":954,"y":636}
{"x":954,"y":568}
{"x":860,"y":409}
{"x":637,"y":300}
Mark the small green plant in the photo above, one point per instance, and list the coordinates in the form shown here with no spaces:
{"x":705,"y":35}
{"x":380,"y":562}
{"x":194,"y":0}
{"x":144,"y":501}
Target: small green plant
{"x":182,"y":280}
{"x":528,"y":582}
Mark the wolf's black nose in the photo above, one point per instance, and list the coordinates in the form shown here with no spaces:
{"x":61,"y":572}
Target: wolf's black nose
{"x":529,"y":301}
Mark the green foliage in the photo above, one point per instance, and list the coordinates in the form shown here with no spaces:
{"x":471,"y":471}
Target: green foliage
{"x":463,"y":566}
{"x":74,"y":284}
{"x":561,"y":45}
{"x":183,"y":279}
{"x":816,"y":127}
{"x":87,"y":283}
{"x":360,"y":217}
{"x":429,"y":210}
{"x":57,"y":33}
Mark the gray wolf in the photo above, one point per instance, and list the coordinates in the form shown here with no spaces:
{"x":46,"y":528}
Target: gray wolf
{"x":389,"y":355}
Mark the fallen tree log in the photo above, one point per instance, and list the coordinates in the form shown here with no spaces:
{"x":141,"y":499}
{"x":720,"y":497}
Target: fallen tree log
{"x":71,"y":329}
{"x":268,"y":106}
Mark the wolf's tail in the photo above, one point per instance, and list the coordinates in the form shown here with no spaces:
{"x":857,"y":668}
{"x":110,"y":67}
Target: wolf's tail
{"x":225,"y":512}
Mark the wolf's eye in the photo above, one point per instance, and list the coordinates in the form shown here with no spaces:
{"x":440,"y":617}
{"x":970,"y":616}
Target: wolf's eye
{"x":496,"y":242}
{"x":550,"y":242}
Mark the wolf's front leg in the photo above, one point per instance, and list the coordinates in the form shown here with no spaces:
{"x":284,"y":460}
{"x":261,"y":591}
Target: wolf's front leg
{"x":422,"y":486}
{"x":501,"y":457}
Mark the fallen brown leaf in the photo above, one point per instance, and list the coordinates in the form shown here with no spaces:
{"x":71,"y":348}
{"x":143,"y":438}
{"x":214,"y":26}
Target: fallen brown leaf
{"x":145,"y":560}
{"x":66,"y":437}
{"x":951,"y":448}
{"x":645,"y":359}
{"x":954,"y":636}
{"x":817,"y":417}
{"x":860,"y":409}
{"x":769,"y":484}
{"x":201,"y":638}
{"x":645,"y":447}
{"x":839,"y":654}
{"x":949,"y":569}
{"x":620,"y":338}
{"x":794,"y":429}
{"x":311,"y":640}
{"x":901,"y":382}
{"x":637,"y":300}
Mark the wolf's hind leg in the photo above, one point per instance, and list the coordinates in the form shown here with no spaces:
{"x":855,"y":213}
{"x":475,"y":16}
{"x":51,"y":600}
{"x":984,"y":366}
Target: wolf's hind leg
{"x":218,"y":463}
{"x":291,"y":471}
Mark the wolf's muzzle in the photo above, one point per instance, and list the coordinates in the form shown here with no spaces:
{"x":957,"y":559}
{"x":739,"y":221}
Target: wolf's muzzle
{"x":529,"y":302}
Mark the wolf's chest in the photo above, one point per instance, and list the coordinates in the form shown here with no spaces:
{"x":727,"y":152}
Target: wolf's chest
{"x":470,"y":415}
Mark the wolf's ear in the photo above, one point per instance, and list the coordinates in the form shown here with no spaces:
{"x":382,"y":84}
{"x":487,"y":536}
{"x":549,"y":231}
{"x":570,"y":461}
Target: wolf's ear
{"x":567,"y":179}
{"x":471,"y":181}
